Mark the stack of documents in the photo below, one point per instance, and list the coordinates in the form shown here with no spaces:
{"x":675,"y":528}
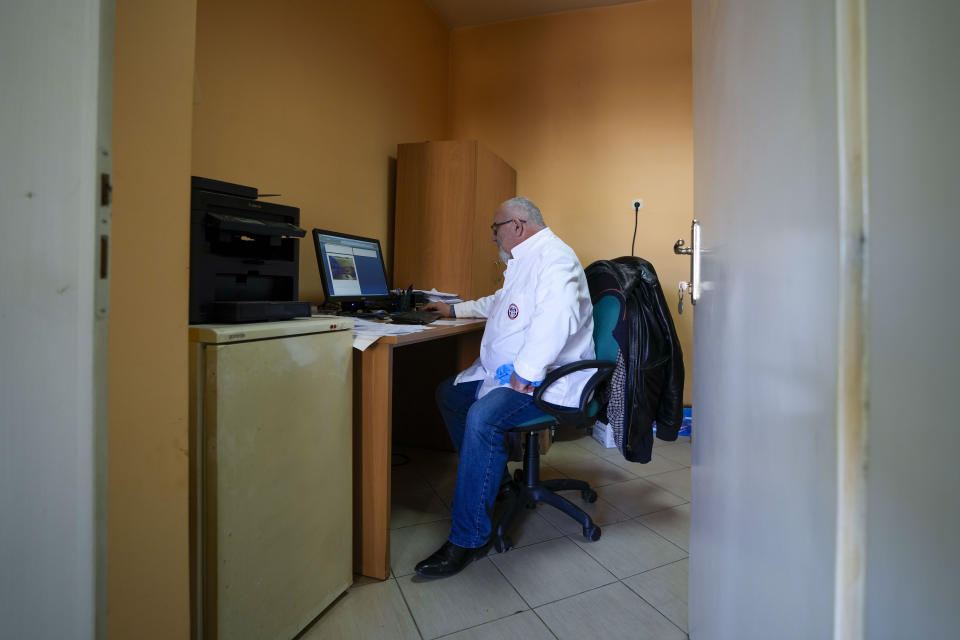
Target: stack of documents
{"x":366,"y":332}
{"x":439,"y":296}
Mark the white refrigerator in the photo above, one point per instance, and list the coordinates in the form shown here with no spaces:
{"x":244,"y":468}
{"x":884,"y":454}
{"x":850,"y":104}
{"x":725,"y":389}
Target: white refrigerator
{"x":271,"y":474}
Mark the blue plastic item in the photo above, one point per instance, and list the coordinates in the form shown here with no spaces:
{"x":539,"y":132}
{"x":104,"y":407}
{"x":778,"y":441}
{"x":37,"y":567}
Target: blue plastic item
{"x":687,"y":426}
{"x":504,"y":372}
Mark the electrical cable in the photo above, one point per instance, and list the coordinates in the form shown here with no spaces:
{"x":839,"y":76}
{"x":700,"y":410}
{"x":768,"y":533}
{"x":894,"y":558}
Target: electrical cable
{"x":636,"y":217}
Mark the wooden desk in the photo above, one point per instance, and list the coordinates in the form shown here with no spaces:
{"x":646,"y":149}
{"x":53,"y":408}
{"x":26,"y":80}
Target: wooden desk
{"x":373,"y":429}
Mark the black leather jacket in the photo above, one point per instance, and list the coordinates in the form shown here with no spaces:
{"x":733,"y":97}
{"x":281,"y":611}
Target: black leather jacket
{"x":647,"y":383}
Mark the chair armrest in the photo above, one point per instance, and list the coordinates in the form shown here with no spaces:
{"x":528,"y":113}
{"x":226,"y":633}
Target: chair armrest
{"x":572,"y":415}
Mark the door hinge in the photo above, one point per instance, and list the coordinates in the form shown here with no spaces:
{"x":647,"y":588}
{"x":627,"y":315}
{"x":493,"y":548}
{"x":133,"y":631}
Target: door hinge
{"x":106,"y":190}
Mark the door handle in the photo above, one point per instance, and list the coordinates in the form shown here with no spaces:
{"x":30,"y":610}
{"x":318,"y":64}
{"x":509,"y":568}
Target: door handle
{"x":694,"y":252}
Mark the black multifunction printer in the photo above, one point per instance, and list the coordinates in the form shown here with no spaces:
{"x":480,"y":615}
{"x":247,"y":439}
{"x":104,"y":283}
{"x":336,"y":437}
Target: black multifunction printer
{"x":244,"y":255}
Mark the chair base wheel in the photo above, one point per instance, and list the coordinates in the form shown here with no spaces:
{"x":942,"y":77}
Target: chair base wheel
{"x":591,"y":533}
{"x":589,"y":495}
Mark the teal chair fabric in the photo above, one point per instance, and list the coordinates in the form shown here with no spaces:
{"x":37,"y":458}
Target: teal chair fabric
{"x":606,"y":314}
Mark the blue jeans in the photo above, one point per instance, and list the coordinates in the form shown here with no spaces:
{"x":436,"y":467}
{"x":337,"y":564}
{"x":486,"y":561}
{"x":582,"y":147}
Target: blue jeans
{"x":478,"y":429}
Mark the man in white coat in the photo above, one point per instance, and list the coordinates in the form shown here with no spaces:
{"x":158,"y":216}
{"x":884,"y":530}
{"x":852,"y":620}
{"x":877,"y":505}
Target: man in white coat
{"x":539,"y":320}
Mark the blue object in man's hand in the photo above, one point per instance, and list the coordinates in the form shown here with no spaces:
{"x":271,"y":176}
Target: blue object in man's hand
{"x":504,"y":372}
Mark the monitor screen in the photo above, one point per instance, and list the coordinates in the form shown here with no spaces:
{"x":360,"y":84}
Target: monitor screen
{"x":351,"y":267}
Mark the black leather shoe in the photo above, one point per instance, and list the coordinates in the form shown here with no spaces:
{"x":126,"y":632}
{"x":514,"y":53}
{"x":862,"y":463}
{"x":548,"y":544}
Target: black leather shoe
{"x":448,"y":560}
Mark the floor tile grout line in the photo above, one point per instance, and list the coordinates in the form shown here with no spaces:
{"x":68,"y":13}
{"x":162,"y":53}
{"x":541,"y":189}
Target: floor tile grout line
{"x":510,"y":615}
{"x":681,"y":462}
{"x":574,"y":475}
{"x":652,"y":606}
{"x":660,"y":535}
{"x":663,"y":473}
{"x":394,"y":501}
{"x":434,"y":490}
{"x":545,"y":624}
{"x":512,"y":586}
{"x":414,"y":524}
{"x":595,"y":455}
{"x":659,"y":566}
{"x":535,"y":611}
{"x":417,"y":524}
{"x":645,"y":570}
{"x":644,"y":515}
{"x":403,"y":596}
{"x":545,"y":521}
{"x":516,"y":591}
{"x":574,"y":595}
{"x":686,"y":559}
{"x":600,"y":564}
{"x":675,"y":495}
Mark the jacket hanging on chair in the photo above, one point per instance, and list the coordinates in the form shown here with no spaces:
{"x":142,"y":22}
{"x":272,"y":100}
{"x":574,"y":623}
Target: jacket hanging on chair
{"x":647,"y":383}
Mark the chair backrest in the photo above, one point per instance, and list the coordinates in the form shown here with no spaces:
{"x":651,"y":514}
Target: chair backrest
{"x":606,"y":314}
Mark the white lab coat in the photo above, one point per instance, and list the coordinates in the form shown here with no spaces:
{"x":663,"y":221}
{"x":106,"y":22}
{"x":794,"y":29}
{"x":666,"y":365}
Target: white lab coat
{"x":540,"y":319}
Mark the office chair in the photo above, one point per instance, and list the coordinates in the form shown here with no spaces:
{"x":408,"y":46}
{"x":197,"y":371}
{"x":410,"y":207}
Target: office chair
{"x":527,"y":489}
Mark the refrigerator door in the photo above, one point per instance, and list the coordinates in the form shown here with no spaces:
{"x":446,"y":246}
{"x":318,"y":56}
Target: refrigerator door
{"x":275,"y":482}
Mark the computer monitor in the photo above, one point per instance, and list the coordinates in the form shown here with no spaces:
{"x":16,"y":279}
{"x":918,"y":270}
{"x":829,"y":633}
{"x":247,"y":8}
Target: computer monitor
{"x":351,"y":268}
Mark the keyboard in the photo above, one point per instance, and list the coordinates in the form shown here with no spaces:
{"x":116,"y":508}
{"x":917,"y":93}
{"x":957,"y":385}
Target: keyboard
{"x":414,"y":317}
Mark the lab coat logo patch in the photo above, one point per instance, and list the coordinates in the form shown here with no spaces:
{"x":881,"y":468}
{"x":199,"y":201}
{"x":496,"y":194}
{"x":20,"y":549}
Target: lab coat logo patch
{"x":512,"y":311}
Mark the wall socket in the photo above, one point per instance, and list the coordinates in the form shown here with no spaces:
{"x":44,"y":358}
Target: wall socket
{"x":636,"y":203}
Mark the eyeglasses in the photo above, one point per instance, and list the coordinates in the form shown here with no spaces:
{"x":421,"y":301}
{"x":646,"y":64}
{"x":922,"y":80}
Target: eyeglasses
{"x":497,"y":225}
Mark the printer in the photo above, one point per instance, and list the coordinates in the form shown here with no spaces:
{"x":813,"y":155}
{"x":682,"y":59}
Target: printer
{"x":244,"y":255}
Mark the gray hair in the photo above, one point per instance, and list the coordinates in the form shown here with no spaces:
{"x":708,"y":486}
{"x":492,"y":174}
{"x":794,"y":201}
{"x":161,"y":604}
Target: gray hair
{"x":525,"y":209}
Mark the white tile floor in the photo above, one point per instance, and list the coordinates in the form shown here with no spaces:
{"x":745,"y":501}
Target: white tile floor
{"x":630,"y":584}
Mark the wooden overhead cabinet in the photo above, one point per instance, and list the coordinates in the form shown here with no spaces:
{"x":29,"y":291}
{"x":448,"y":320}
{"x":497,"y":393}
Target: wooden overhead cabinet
{"x":447,"y":192}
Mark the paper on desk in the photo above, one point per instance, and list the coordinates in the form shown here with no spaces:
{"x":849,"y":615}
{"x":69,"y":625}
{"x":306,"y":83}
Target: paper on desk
{"x":361,"y":342}
{"x":366,"y":332}
{"x":439,"y":296}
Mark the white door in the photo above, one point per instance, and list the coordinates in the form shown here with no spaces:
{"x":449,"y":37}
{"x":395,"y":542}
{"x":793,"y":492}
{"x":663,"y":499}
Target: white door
{"x":912,"y":480}
{"x":55,"y":93}
{"x":804,"y":523}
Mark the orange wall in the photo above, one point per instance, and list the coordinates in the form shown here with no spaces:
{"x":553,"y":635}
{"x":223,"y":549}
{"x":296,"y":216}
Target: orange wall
{"x":148,"y":472}
{"x":309,"y":99}
{"x":593,"y":109}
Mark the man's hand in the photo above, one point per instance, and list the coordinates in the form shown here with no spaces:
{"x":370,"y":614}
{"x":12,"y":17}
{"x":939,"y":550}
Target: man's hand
{"x":516,"y":385}
{"x":442,"y":308}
